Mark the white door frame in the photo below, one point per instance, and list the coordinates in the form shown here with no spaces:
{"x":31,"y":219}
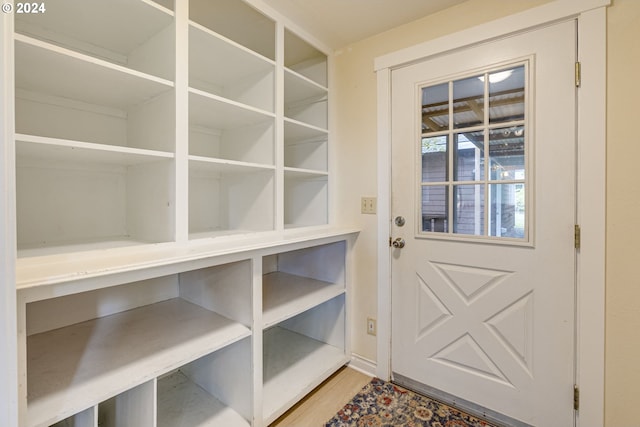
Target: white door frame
{"x":591,"y":162}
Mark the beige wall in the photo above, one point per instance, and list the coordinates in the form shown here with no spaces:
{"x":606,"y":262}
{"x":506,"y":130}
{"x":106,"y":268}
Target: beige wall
{"x":623,"y":215}
{"x":355,"y":124}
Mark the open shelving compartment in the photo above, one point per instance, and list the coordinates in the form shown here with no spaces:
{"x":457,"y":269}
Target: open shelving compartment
{"x":237,"y":21}
{"x":304,"y":337}
{"x":229,"y":198}
{"x":231,"y":167}
{"x":93,"y":162}
{"x":136,"y":34}
{"x":305,"y":147}
{"x":214,"y":390}
{"x":116,"y":343}
{"x":244,"y":76}
{"x":305,"y":82}
{"x":306,"y":198}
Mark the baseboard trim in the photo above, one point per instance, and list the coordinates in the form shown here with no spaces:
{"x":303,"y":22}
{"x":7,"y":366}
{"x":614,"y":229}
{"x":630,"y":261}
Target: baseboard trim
{"x":464,"y":405}
{"x":364,"y":365}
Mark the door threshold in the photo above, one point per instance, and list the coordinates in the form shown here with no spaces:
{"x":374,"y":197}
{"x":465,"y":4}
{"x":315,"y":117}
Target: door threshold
{"x":458,"y":403}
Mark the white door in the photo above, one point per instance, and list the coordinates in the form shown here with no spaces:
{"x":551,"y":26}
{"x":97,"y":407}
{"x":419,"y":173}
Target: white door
{"x":483,"y":173}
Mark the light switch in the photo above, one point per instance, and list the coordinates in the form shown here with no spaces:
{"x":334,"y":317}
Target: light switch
{"x":368,"y":205}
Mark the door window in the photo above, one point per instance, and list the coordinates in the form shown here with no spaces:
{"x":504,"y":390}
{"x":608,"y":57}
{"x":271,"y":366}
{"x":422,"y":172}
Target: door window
{"x":474,"y":149}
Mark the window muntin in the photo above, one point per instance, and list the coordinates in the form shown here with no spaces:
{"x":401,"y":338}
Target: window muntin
{"x":474,"y":146}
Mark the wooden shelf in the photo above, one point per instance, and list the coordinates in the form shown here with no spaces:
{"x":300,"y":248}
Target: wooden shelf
{"x":75,"y":246}
{"x":237,"y":21}
{"x":286,"y":295}
{"x":71,"y":368}
{"x":53,"y":150}
{"x":44,"y":68}
{"x":300,"y":173}
{"x":306,"y":198}
{"x":183,"y":403}
{"x":301,"y":57}
{"x":243,"y":76}
{"x":299,"y":88}
{"x":305,"y":101}
{"x":294,"y":365}
{"x":207,"y":164}
{"x":214,"y":112}
{"x":296,"y":132}
{"x":123,"y":32}
{"x":119,"y":25}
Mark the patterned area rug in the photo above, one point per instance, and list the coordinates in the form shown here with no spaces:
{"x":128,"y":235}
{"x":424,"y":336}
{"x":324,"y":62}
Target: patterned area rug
{"x":382,"y":404}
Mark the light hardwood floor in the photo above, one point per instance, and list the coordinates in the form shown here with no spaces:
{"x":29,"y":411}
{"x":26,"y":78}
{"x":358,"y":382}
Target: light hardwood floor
{"x":325,"y":401}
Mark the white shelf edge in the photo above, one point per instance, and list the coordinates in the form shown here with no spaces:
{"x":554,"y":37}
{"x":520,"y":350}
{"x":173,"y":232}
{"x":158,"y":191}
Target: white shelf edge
{"x":78,"y":246}
{"x":305,"y":125}
{"x":236,"y":164}
{"x":223,"y":100}
{"x":37,"y":274}
{"x":90,"y":60}
{"x":230,"y":42}
{"x":296,"y":377}
{"x":97,"y":384}
{"x":306,"y":79}
{"x":159,"y":7}
{"x":304,"y":173}
{"x":90,"y":146}
{"x":287,"y":295}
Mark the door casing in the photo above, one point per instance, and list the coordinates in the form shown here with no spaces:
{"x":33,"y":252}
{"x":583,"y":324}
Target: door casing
{"x":591,"y":133}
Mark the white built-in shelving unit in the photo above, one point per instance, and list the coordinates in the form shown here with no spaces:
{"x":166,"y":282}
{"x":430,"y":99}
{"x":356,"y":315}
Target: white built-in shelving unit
{"x":163,"y":154}
{"x":202,"y":336}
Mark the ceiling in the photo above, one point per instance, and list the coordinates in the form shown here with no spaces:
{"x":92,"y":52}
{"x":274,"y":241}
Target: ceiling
{"x":338,"y":23}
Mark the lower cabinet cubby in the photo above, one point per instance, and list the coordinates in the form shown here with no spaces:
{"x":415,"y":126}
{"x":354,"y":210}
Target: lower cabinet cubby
{"x":300,"y":353}
{"x":108,"y":346}
{"x":86,"y":418}
{"x":304,"y":338}
{"x":187,"y":344}
{"x":214,"y":390}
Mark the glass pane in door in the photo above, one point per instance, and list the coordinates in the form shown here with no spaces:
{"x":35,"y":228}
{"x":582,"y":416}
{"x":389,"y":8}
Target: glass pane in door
{"x":507,"y":210}
{"x":435,"y":202}
{"x":435,"y":108}
{"x":468,"y":209}
{"x":506,"y":95}
{"x":506,"y":153}
{"x":435,"y":155}
{"x":469,"y":156}
{"x":468,"y":102}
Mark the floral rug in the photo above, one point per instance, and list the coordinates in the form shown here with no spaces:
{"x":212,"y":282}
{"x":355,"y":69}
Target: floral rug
{"x":382,"y":404}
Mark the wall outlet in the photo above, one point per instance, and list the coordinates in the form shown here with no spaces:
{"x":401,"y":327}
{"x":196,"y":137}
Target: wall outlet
{"x":371,"y":326}
{"x":368,"y":205}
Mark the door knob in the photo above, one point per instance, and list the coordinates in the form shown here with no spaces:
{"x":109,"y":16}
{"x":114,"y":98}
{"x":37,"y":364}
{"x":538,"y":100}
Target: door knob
{"x":398,"y":243}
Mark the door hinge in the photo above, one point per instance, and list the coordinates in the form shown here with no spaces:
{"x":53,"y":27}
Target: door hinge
{"x":578,"y":74}
{"x":576,"y":236}
{"x":576,"y":397}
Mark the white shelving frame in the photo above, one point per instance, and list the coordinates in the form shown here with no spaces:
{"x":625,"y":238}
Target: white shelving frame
{"x":216,"y":337}
{"x":157,"y":276}
{"x":102,"y":102}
